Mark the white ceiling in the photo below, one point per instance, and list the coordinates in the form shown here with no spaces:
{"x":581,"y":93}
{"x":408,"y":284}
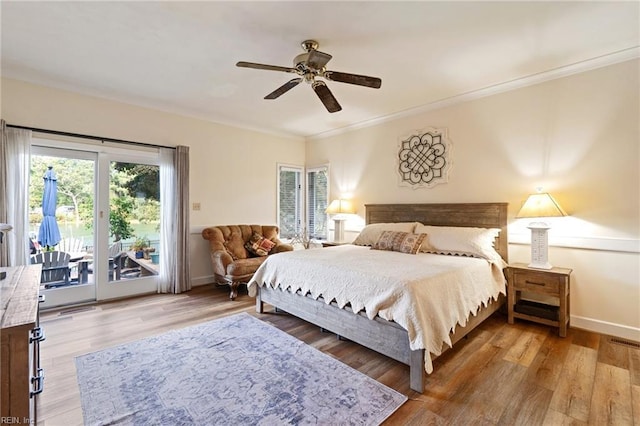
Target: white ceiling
{"x":180,"y":56}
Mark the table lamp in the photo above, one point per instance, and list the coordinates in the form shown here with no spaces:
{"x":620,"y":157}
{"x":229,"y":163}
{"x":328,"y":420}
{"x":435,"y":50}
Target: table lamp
{"x":339,"y":208}
{"x":540,"y":205}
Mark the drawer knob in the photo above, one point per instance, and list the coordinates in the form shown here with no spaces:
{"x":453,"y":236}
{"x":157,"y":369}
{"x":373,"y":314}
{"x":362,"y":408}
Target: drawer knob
{"x":535,"y":283}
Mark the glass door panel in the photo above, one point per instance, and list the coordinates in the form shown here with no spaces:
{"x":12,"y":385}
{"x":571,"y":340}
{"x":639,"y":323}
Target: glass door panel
{"x":69,"y":221}
{"x":133,"y":228}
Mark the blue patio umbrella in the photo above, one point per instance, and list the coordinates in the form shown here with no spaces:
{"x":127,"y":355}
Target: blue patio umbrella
{"x":49,"y":234}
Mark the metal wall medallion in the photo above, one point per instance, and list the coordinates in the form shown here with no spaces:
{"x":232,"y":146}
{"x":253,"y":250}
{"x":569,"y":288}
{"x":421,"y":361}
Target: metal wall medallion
{"x":424,"y":158}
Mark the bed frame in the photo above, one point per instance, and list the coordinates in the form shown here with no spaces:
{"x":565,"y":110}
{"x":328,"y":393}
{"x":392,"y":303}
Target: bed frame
{"x":387,"y":337}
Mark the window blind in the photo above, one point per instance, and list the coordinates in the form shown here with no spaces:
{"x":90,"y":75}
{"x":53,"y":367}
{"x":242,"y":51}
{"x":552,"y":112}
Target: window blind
{"x":317,"y":201}
{"x":290,"y":200}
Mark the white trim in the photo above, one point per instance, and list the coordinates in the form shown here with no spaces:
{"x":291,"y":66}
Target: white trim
{"x":167,"y":109}
{"x":608,"y":328}
{"x":233,"y":124}
{"x":587,"y":243}
{"x":624,"y":245}
{"x":530,"y":80}
{"x":135,"y":153}
{"x":289,"y":167}
{"x":203,"y":280}
{"x":197,"y":229}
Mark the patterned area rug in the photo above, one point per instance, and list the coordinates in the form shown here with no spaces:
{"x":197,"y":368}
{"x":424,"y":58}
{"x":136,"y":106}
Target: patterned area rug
{"x":237,"y":370}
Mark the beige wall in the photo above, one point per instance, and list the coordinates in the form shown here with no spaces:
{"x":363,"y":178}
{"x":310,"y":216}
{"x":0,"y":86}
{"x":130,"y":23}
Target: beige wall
{"x":233,"y":171}
{"x":577,"y":137}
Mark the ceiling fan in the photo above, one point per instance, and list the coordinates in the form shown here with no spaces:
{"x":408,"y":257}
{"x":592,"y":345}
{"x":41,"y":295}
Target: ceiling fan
{"x":309,"y":66}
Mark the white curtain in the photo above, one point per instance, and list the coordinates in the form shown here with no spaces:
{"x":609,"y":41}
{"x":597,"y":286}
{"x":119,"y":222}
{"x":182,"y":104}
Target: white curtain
{"x":175,"y":265}
{"x":14,"y":195}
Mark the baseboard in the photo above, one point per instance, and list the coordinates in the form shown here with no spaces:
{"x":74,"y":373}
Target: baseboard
{"x":608,"y":328}
{"x":203,"y":280}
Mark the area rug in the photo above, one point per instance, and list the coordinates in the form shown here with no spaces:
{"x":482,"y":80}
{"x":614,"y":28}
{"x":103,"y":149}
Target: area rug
{"x":237,"y":370}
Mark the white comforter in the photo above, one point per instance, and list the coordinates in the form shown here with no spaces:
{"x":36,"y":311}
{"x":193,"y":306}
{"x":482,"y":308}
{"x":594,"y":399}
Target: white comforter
{"x":427,"y":294}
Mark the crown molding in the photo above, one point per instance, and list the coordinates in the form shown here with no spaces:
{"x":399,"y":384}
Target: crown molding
{"x":530,"y":80}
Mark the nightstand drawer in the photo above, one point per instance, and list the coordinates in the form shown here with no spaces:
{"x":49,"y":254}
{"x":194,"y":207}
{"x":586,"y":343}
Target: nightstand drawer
{"x":537,"y":283}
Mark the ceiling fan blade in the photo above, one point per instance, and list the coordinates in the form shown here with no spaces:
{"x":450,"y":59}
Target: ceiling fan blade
{"x":325,"y":95}
{"x":284,"y":88}
{"x":253,"y":65}
{"x":360,"y":80}
{"x":317,"y":59}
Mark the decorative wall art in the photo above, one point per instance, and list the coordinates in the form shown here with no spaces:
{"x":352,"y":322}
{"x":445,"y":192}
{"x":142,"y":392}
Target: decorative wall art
{"x":424,"y":158}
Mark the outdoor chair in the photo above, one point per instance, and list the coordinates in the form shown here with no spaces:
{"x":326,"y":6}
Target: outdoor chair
{"x":55,"y":268}
{"x":116,"y":260}
{"x":117,"y":257}
{"x":71,"y":245}
{"x":76,"y":248}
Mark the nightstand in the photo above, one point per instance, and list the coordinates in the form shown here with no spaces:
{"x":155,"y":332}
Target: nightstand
{"x":554,"y":282}
{"x":333,"y":243}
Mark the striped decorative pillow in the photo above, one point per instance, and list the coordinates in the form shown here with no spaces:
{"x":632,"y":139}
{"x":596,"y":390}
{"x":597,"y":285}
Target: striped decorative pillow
{"x":403,"y":242}
{"x":370,"y":234}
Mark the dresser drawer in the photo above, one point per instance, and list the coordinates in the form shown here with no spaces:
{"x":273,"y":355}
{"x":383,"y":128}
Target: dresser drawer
{"x":536,"y":283}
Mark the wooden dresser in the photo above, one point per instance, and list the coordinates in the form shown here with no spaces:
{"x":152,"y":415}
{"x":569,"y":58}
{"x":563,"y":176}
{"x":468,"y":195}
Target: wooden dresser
{"x":21,"y":377}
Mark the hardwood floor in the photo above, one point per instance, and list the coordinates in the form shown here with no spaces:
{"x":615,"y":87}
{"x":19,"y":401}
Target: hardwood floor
{"x":500,"y":375}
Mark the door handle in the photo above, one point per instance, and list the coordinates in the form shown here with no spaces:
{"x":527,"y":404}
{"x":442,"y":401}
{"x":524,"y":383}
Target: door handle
{"x":39,"y":382}
{"x":37,"y":335}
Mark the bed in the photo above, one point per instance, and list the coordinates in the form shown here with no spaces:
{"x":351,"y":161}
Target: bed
{"x":395,"y":335}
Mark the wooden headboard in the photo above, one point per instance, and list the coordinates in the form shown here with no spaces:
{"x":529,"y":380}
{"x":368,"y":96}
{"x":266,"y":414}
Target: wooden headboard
{"x":479,"y":215}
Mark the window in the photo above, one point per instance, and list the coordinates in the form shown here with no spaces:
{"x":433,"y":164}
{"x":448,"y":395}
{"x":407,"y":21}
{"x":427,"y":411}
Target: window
{"x":296,"y":215}
{"x":317,"y":201}
{"x":289,"y":200}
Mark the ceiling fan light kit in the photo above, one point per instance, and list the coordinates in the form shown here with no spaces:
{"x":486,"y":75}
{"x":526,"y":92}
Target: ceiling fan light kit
{"x":309,"y":66}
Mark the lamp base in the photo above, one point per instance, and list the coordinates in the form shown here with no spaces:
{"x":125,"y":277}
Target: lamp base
{"x":338,"y":231}
{"x":539,"y":246}
{"x":540,"y":265}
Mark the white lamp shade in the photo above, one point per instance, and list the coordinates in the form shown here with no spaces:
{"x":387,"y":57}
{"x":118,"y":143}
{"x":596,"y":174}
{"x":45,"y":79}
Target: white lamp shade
{"x":540,"y":205}
{"x":340,"y":207}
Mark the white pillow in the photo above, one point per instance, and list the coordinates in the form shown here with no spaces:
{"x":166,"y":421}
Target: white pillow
{"x":476,"y":242}
{"x":370,"y":233}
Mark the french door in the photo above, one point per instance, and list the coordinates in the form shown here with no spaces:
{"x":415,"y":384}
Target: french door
{"x":107,"y":202}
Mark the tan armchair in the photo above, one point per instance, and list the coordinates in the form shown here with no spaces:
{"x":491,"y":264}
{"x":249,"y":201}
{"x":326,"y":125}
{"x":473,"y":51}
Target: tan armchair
{"x":232,"y":263}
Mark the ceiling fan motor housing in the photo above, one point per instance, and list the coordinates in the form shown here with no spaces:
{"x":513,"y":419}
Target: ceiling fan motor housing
{"x":301,"y":60}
